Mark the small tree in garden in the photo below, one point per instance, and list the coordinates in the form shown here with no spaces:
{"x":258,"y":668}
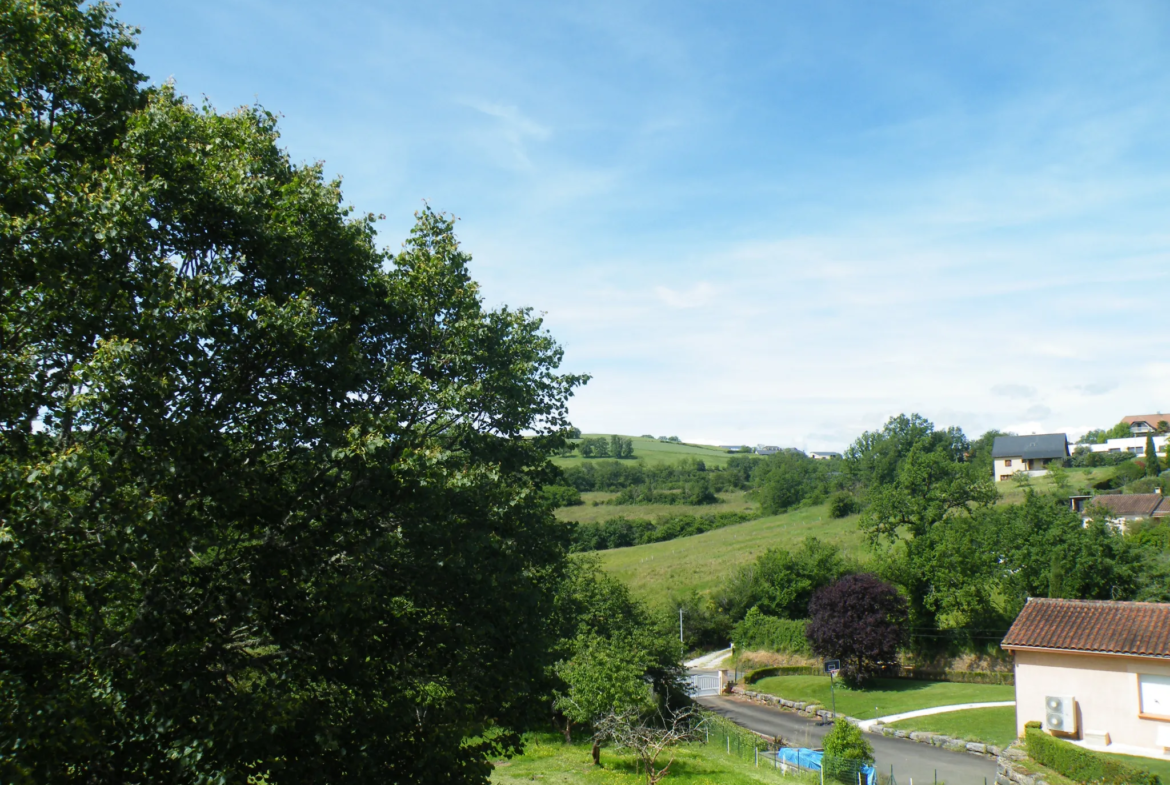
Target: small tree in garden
{"x":650,"y":735}
{"x":845,"y":751}
{"x":859,"y":620}
{"x":605,"y":679}
{"x":1153,"y":468}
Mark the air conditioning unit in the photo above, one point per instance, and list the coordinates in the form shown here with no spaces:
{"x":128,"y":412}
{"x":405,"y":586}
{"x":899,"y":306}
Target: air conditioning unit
{"x":1060,"y":714}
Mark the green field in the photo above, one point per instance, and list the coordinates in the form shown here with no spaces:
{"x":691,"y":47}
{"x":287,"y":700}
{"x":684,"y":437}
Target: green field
{"x":653,"y":572}
{"x":991,"y":726}
{"x":546,"y":758}
{"x":734,"y":501}
{"x":653,"y":451}
{"x":885,"y":696}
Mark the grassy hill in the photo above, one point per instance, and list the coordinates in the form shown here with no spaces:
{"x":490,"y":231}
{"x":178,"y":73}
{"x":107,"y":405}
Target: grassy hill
{"x":653,"y":572}
{"x":654,"y":451}
{"x":733,"y":501}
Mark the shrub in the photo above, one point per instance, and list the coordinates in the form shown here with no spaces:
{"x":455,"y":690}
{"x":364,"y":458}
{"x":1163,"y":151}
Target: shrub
{"x":841,"y":504}
{"x":845,"y":750}
{"x":1079,"y":764}
{"x":561,"y":495}
{"x":758,"y":631}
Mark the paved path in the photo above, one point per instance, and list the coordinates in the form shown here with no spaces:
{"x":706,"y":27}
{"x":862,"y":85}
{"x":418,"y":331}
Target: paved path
{"x":708,"y":661}
{"x":909,"y":759}
{"x":909,"y":715}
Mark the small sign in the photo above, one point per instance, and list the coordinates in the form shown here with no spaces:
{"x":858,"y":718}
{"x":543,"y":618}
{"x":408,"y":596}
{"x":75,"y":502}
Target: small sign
{"x":832,"y":667}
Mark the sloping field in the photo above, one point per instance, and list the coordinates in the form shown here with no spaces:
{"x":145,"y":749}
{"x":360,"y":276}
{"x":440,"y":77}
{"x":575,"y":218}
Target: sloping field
{"x":733,"y":501}
{"x":654,"y":572}
{"x":654,"y":451}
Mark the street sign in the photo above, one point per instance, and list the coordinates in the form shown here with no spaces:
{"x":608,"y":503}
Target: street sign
{"x":832,"y":666}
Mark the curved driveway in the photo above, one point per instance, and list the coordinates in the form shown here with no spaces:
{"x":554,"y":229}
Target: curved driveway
{"x":909,"y":759}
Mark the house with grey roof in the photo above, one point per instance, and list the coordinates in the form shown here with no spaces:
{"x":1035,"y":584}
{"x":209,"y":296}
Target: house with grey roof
{"x":1032,"y":454}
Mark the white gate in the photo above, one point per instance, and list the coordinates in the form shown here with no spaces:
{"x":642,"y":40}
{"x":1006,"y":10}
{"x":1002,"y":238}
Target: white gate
{"x":702,"y":684}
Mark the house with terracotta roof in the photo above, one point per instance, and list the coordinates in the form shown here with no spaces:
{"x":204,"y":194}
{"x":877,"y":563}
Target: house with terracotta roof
{"x":1124,"y":509}
{"x":1141,"y":424}
{"x":1095,"y":672}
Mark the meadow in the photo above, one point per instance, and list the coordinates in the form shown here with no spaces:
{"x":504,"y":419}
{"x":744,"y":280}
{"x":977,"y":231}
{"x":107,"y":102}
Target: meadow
{"x":734,"y":501}
{"x":652,"y":451}
{"x":699,"y":563}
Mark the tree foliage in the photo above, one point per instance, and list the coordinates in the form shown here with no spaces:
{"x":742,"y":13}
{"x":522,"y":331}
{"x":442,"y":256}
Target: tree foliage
{"x":267,"y":509}
{"x":861,"y":621}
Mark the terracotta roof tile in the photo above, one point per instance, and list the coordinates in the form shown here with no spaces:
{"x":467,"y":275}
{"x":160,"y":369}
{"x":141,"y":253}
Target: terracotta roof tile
{"x":1131,"y":503}
{"x":1098,"y":626}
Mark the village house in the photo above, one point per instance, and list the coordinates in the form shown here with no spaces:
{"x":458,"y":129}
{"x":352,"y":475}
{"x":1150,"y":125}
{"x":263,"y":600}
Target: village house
{"x":824,"y":456}
{"x":1134,"y":444}
{"x":1124,"y":509}
{"x":1095,"y":672}
{"x":1032,"y":454}
{"x":1141,"y":424}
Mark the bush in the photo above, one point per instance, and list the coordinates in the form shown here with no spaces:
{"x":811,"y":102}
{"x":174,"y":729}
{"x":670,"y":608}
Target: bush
{"x":841,"y":504}
{"x":758,"y":631}
{"x":845,"y":750}
{"x":561,"y":495}
{"x":1079,"y":764}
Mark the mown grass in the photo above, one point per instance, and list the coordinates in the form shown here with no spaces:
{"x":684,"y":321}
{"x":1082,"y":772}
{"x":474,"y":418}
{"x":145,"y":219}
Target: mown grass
{"x":734,"y":501}
{"x":1152,"y":765}
{"x":652,"y":451}
{"x":991,"y":726}
{"x":1079,"y":481}
{"x":656,"y":571}
{"x":546,"y":758}
{"x":884,"y":696}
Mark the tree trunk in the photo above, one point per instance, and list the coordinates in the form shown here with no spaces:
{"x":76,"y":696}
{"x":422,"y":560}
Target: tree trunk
{"x":568,"y":731}
{"x":596,"y":753}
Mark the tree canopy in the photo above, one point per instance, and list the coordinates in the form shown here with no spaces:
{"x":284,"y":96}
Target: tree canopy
{"x":267,"y":506}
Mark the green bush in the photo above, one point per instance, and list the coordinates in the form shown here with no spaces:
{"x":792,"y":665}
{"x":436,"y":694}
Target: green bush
{"x":561,"y":495}
{"x":758,"y":631}
{"x":845,"y":751}
{"x":1080,"y":764}
{"x":783,"y":670}
{"x":841,"y":504}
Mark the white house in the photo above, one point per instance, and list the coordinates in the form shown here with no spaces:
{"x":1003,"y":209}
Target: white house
{"x":1134,"y":444}
{"x":1011,"y":454}
{"x":824,"y":456}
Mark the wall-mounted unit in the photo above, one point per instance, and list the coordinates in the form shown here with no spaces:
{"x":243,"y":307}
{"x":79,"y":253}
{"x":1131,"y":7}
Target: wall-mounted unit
{"x":1060,"y":714}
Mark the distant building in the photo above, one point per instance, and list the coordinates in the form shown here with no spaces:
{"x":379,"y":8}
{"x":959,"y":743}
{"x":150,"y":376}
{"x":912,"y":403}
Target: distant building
{"x":1141,"y":424}
{"x":1134,"y":444}
{"x":1127,"y":508}
{"x":1011,"y":454}
{"x":766,"y":449}
{"x":824,"y":456}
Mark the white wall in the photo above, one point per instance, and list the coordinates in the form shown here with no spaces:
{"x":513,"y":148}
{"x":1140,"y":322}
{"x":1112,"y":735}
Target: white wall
{"x":1126,"y":444}
{"x":1105,"y":689}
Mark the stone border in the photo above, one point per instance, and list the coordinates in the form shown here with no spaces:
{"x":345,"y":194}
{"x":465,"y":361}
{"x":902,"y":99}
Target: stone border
{"x":1010,"y":771}
{"x":816,"y":711}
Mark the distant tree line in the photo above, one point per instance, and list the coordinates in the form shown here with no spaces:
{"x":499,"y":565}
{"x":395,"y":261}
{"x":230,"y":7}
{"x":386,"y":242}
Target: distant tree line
{"x":622,"y":532}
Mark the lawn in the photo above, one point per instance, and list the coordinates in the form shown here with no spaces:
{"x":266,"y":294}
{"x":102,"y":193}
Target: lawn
{"x":1010,"y":492}
{"x":1159,"y":767}
{"x":734,"y":501}
{"x":547,"y":759}
{"x":653,"y":451}
{"x":885,"y":696}
{"x":655,"y":571}
{"x":991,"y":726}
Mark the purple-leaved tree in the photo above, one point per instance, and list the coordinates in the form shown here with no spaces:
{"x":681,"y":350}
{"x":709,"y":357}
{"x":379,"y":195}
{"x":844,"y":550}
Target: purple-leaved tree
{"x":859,"y":620}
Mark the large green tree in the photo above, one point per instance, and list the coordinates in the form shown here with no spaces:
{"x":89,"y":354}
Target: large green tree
{"x":266,"y":508}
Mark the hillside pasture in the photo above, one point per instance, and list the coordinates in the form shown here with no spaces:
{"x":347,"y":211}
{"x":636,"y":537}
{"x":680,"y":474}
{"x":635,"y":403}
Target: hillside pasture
{"x":734,"y":501}
{"x":656,"y":571}
{"x":652,"y":451}
{"x":1079,"y":481}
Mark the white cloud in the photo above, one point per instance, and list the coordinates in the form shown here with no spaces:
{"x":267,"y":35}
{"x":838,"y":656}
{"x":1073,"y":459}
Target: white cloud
{"x":696,"y":296}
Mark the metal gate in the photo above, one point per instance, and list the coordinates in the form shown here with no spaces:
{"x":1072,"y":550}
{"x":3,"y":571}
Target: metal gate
{"x":702,"y":684}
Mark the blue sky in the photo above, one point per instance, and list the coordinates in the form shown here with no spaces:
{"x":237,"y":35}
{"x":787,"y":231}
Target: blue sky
{"x":779,"y":222}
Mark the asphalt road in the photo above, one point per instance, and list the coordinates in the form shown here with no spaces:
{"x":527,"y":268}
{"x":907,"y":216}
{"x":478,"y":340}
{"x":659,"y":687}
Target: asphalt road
{"x":911,"y":760}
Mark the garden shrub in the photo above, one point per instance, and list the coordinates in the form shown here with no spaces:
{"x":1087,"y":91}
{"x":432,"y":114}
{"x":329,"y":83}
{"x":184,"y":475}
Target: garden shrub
{"x":759,"y":631}
{"x":1080,"y":764}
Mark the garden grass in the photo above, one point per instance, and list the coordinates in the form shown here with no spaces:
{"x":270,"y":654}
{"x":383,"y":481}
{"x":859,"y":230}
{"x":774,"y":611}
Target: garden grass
{"x":659,"y":570}
{"x":884,"y":696}
{"x":547,"y":759}
{"x":1152,"y":765}
{"x":1080,"y":481}
{"x":991,"y":726}
{"x":734,"y":501}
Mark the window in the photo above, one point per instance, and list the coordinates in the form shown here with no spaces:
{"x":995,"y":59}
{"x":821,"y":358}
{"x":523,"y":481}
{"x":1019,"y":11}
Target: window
{"x":1008,"y":462}
{"x":1154,"y":696}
